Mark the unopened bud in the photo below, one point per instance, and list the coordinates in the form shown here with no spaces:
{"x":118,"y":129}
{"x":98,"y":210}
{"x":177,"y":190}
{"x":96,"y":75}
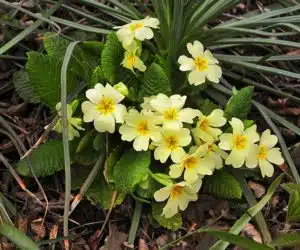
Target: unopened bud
{"x":121,"y":88}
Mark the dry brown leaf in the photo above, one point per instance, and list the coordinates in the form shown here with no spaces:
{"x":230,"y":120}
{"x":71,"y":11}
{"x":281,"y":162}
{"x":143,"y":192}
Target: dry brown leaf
{"x":290,"y":111}
{"x":53,"y":232}
{"x":38,"y":228}
{"x":251,"y":232}
{"x":22,"y":224}
{"x":143,"y":245}
{"x":259,"y":190}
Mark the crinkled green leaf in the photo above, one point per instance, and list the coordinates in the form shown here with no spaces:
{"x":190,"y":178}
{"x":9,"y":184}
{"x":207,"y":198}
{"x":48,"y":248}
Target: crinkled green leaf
{"x":172,"y":223}
{"x":111,"y":58}
{"x":207,"y":106}
{"x":287,"y":240}
{"x":130,"y":170}
{"x":44,"y":77}
{"x":84,"y":59}
{"x":97,"y":77}
{"x":47,"y":159}
{"x":155,"y":81}
{"x":223,"y":184}
{"x":294,"y":207}
{"x":147,"y":188}
{"x":239,"y":104}
{"x":99,"y":192}
{"x":24,"y":89}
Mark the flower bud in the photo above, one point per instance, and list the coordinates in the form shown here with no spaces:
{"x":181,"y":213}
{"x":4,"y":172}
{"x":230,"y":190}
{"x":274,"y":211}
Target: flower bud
{"x":121,"y":88}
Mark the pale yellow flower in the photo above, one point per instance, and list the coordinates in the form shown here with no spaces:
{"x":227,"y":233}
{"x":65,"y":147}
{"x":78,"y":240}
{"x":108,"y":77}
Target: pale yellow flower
{"x":171,"y":144}
{"x":140,"y":128}
{"x":264,"y":154}
{"x":74,"y":123}
{"x":203,"y":65}
{"x":103,"y":108}
{"x":193,"y":164}
{"x":238,"y":142}
{"x":207,"y":128}
{"x":171,"y":111}
{"x":179,"y":195}
{"x":133,"y":61}
{"x":217,"y":155}
{"x":137,"y":29}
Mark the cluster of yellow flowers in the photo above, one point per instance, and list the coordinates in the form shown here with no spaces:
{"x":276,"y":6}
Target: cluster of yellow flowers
{"x":195,"y":143}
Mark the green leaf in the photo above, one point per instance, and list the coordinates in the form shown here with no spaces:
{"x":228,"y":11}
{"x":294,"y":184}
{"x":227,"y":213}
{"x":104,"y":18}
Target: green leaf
{"x":130,"y":170}
{"x":44,"y":77}
{"x":23,"y":88}
{"x":155,"y":81}
{"x":97,"y":77}
{"x":207,"y":106}
{"x":294,"y":207}
{"x":223,"y":184}
{"x":147,"y":188}
{"x":111,"y":58}
{"x":99,"y":192}
{"x":172,"y":223}
{"x":287,"y":240}
{"x":240,"y":103}
{"x":47,"y":159}
{"x":84,"y":58}
{"x":291,"y":187}
{"x":21,"y":240}
{"x":99,"y":142}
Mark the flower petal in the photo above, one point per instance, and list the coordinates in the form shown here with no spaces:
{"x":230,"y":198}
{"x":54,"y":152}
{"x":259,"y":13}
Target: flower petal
{"x":176,"y":170}
{"x":195,"y":49}
{"x":251,"y":133}
{"x":95,"y":94}
{"x":161,"y":153}
{"x":268,"y":140}
{"x":209,"y":57}
{"x":105,"y":123}
{"x":128,"y":133}
{"x":171,"y":208}
{"x":89,"y":111}
{"x":237,"y":126}
{"x":162,"y":194}
{"x":112,"y":93}
{"x":216,"y":118}
{"x":177,"y":154}
{"x":141,"y":143}
{"x":236,"y":159}
{"x":188,"y":114}
{"x":214,"y":73}
{"x":226,"y":141}
{"x":144,"y":33}
{"x":274,"y":156}
{"x":119,"y":113}
{"x":187,"y":63}
{"x":252,"y":157}
{"x":196,"y":78}
{"x":266,"y":168}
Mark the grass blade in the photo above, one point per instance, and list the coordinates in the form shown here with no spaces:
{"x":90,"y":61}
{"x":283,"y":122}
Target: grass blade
{"x":67,"y":161}
{"x":79,"y":26}
{"x":16,"y":236}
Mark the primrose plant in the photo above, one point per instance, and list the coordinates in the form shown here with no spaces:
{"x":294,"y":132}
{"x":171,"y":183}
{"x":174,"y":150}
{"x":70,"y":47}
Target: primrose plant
{"x":159,"y":142}
{"x":186,"y":144}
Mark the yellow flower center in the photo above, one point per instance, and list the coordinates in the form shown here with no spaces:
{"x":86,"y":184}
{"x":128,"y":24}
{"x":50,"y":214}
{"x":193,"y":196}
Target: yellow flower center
{"x":201,"y":63}
{"x":263,"y":152}
{"x":106,"y":106}
{"x":131,"y":60}
{"x":136,"y":26}
{"x":240,"y":142}
{"x":190,"y":162}
{"x":171,"y":142}
{"x":171,"y":114}
{"x":142,"y":128}
{"x":204,"y":124}
{"x":176,"y":192}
